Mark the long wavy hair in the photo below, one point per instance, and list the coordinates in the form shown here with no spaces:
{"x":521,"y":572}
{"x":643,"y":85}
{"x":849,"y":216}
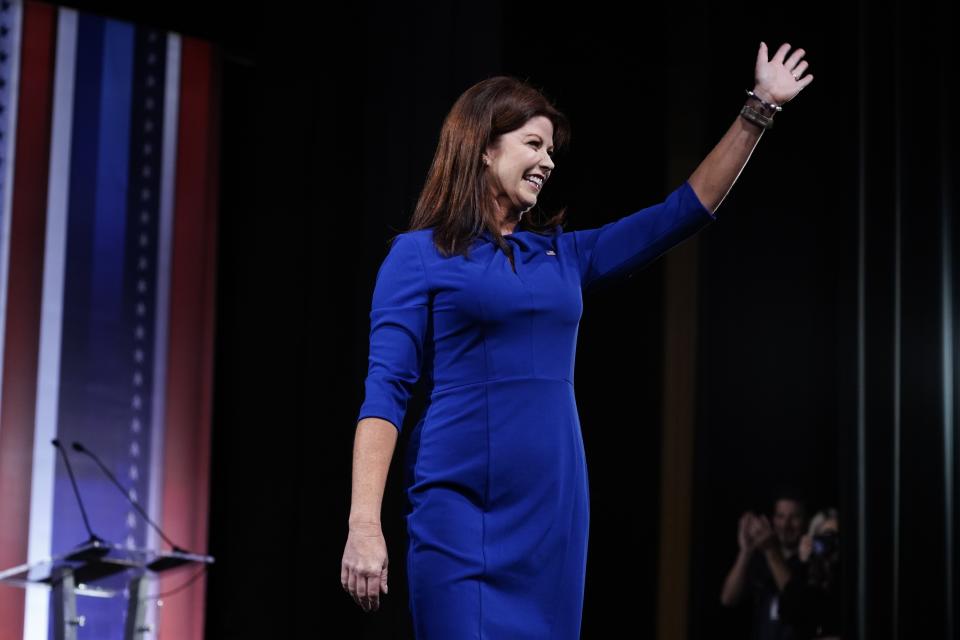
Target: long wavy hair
{"x":456,"y":200}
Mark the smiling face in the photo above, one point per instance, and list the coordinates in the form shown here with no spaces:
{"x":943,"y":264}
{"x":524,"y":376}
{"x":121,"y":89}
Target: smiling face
{"x":518,"y":164}
{"x":788,"y":522}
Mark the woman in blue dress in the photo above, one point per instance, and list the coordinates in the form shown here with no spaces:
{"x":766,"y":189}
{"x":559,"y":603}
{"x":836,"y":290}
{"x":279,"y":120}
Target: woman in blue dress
{"x":485,"y":305}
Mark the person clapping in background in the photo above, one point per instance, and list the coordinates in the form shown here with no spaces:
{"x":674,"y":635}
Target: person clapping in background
{"x":768,"y":558}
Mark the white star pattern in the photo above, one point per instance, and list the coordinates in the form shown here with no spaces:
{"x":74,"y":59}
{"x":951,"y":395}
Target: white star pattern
{"x":147,"y":128}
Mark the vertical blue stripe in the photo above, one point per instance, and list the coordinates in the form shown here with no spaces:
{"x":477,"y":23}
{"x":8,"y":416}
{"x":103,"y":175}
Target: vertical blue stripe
{"x":110,"y":274}
{"x":97,"y":349}
{"x":112,"y":172}
{"x":81,"y":203}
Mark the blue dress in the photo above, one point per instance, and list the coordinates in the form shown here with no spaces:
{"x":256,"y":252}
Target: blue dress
{"x":495,"y":470}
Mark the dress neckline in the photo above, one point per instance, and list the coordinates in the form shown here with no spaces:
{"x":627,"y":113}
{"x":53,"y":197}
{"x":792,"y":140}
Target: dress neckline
{"x":490,"y":236}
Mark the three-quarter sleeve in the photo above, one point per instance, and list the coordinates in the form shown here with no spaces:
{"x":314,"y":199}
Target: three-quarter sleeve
{"x":621,"y":247}
{"x":398,"y":320}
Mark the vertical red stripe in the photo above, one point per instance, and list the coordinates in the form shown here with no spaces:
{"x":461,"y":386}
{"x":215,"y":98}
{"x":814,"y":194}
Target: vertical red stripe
{"x":186,"y":468}
{"x":24,"y":296}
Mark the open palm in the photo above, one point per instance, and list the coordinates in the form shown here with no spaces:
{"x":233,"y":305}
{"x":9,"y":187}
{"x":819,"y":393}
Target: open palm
{"x":780,"y":79}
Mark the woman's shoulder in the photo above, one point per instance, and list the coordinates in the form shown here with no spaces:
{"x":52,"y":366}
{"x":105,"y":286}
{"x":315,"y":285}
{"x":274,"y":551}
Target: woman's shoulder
{"x":413,"y":242}
{"x":413,"y":245}
{"x":419,"y":236}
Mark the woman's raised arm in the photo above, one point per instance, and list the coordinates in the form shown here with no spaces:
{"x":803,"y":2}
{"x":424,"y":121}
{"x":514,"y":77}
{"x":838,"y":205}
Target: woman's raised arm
{"x":777,"y":82}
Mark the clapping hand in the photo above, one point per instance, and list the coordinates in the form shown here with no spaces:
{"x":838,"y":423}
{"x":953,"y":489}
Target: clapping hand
{"x":778,"y":80}
{"x":755,"y":532}
{"x":762,"y":533}
{"x":746,"y":532}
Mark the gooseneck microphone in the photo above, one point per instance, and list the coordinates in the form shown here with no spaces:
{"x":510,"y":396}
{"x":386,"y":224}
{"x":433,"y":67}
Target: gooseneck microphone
{"x":136,"y":505}
{"x":76,"y":491}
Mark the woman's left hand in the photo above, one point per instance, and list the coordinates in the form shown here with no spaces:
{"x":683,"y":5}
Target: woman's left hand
{"x":778,"y":80}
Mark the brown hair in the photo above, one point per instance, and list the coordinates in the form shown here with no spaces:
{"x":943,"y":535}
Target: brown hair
{"x":456,"y":199}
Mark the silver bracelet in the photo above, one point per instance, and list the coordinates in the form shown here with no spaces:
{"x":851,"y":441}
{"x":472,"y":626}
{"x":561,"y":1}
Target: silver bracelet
{"x":768,"y":105}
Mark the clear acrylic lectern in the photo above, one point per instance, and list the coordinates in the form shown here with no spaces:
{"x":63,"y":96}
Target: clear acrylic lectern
{"x":102,"y":570}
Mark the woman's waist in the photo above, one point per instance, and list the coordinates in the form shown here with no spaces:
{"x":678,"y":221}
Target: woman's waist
{"x":446,"y":389}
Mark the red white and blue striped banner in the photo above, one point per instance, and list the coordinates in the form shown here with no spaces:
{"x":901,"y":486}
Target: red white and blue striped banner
{"x":108,"y":174}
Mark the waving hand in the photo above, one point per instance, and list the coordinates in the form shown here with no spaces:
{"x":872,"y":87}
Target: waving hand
{"x":780,"y":79}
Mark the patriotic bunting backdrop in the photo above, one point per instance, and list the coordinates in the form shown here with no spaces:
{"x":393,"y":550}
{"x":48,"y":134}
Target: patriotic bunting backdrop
{"x":108,"y":175}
